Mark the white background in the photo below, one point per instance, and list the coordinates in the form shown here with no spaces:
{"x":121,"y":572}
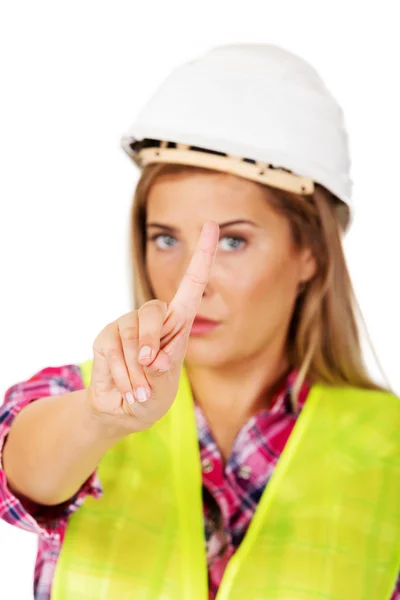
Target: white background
{"x":73,"y":76}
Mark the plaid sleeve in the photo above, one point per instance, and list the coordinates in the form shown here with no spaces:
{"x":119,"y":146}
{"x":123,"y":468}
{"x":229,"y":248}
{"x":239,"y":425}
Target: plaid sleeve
{"x":21,"y":512}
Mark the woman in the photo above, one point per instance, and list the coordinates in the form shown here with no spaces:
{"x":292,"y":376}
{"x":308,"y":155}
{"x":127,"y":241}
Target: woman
{"x":240,"y":361}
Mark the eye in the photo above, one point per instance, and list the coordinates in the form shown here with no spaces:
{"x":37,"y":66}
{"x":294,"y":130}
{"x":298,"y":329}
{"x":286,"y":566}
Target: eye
{"x":163,"y":241}
{"x":232,"y":243}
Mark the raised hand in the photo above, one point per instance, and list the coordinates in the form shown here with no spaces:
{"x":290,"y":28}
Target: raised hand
{"x":138,"y":358}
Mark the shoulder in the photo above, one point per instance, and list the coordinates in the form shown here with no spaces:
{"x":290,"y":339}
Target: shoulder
{"x":359,"y":417}
{"x":49,"y":381}
{"x":355,"y":394}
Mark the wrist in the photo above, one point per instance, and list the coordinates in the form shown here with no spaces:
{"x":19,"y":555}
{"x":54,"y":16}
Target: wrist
{"x":101,"y":426}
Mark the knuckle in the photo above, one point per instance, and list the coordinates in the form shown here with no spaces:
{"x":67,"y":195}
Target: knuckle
{"x":126,"y":318}
{"x":162,"y":306}
{"x":108,"y":328}
{"x":129,"y":334}
{"x":113,"y":355}
{"x":153,"y":306}
{"x":150,"y":340}
{"x":101,"y":337}
{"x":193,"y":278}
{"x":146,"y":308}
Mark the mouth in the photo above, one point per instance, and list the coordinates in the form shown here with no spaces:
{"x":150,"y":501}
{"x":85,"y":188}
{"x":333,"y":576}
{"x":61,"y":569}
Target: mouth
{"x":202,"y":326}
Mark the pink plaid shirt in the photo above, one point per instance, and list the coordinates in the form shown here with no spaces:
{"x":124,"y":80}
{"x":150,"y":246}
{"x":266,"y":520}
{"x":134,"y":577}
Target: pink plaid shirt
{"x":231,"y":492}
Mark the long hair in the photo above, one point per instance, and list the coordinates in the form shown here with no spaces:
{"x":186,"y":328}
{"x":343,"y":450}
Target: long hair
{"x":323,"y":339}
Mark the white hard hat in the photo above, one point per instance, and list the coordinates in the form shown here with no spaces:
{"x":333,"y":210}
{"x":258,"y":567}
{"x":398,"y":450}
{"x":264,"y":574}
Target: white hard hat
{"x":255,"y":110}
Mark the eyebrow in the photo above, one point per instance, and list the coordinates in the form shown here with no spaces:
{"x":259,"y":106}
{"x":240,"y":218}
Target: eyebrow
{"x":221,"y":225}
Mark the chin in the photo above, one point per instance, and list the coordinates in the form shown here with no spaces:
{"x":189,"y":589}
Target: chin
{"x":201,"y":351}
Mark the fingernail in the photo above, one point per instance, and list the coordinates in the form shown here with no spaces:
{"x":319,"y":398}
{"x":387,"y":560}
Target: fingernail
{"x":141,"y":394}
{"x":129,"y":398}
{"x":145,"y":352}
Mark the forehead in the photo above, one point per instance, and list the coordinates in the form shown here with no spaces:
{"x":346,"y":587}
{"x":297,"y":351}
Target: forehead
{"x":209,"y":194}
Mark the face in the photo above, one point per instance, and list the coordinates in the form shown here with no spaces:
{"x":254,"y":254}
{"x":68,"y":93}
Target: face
{"x":257,"y":270}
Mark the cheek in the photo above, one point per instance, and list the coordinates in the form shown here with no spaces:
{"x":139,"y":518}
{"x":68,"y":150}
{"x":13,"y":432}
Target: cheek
{"x":163,"y":275}
{"x":266,"y":284}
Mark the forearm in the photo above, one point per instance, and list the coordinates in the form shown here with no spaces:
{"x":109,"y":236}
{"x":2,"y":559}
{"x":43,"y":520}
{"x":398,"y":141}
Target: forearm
{"x":53,"y":446}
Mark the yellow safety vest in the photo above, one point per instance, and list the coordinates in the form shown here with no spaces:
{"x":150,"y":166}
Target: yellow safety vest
{"x":327,"y":526}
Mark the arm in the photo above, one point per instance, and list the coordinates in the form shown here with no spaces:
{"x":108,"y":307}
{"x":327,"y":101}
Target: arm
{"x":53,"y":446}
{"x":19,"y":510}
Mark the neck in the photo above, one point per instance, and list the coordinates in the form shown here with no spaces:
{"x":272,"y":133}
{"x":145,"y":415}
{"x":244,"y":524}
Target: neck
{"x":239,"y":390}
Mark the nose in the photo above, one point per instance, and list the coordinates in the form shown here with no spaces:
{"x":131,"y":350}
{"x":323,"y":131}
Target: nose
{"x":207,"y":291}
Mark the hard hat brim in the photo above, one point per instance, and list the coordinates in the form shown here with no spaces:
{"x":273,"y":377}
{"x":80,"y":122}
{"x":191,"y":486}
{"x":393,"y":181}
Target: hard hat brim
{"x":156,"y":151}
{"x":151,"y":151}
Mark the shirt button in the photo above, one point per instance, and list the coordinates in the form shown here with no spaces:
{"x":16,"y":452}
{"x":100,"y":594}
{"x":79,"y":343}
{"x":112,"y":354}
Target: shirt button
{"x":245,"y":472}
{"x":207,"y":465}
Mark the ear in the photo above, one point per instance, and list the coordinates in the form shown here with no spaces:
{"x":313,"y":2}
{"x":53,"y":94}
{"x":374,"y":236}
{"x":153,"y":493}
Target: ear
{"x":308,"y":266}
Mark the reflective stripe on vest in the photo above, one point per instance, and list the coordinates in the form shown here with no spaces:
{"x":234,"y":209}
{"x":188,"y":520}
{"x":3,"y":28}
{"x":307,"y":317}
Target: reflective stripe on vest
{"x":327,"y":526}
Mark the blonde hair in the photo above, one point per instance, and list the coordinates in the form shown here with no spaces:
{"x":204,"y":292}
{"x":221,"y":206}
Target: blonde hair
{"x":323,"y":338}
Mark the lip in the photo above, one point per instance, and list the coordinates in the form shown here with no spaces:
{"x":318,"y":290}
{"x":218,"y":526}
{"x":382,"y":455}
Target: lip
{"x":200,"y":319}
{"x":201,"y":326}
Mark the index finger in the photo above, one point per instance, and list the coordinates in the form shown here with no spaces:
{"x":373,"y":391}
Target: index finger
{"x":194,"y":282}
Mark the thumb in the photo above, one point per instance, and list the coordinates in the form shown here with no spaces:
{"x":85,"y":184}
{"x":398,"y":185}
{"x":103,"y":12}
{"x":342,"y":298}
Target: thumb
{"x":160,"y":365}
{"x":169,"y":359}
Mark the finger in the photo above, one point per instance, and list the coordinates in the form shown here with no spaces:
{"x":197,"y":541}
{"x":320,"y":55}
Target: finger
{"x":109,"y":357}
{"x":177,"y":347}
{"x":151,"y":318}
{"x":193,"y":284}
{"x":161,"y":364}
{"x":128,"y":332}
